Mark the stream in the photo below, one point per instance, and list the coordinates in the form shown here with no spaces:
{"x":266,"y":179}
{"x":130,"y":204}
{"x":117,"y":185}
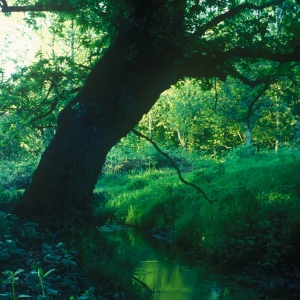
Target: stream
{"x":176,"y":275}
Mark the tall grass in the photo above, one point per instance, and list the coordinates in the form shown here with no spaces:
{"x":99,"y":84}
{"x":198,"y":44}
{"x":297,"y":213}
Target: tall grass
{"x":255,"y":216}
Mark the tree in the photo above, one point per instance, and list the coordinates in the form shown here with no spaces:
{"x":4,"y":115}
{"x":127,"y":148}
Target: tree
{"x":156,"y":44}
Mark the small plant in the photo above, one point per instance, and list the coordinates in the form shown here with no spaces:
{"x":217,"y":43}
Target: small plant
{"x":11,"y":279}
{"x":39,"y":274}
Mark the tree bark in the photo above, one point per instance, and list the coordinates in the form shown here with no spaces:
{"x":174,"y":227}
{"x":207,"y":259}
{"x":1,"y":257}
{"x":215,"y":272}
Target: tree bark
{"x":122,"y":87}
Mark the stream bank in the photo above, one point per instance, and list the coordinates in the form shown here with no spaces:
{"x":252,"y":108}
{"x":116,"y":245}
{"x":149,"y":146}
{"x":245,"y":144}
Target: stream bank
{"x":175,"y":274}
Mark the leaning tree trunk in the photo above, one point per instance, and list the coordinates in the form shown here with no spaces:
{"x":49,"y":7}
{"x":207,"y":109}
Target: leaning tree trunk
{"x":122,"y":87}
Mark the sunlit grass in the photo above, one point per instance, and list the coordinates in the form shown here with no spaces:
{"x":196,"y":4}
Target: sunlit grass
{"x":254,"y":215}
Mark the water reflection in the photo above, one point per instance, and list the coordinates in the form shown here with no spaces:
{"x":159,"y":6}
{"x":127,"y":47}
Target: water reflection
{"x":175,"y":281}
{"x":174,"y":275}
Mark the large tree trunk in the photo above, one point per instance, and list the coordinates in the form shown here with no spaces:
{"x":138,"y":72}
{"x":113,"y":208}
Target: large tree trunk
{"x":123,"y":86}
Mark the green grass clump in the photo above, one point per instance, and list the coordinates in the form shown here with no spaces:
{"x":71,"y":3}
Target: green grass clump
{"x":254,"y":216}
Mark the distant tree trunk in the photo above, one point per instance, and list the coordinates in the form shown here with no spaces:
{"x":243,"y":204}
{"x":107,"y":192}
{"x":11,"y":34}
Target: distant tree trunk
{"x":248,"y":136}
{"x":181,"y":140}
{"x":150,"y":125}
{"x":123,"y":86}
{"x":250,"y":114}
{"x":277,"y":124}
{"x":276,"y":146}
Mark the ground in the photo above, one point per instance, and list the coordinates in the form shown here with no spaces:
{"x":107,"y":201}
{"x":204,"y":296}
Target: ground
{"x":29,"y":247}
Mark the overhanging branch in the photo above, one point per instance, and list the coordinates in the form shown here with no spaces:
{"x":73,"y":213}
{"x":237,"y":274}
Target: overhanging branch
{"x":264,"y":54}
{"x":137,"y":133}
{"x":212,"y":64}
{"x":251,"y":83}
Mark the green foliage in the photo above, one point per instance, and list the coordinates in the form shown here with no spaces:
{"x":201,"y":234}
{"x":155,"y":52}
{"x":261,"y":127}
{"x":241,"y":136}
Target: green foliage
{"x":36,"y":279}
{"x":215,"y":120}
{"x":9,"y":249}
{"x":39,"y":274}
{"x":11,"y":279}
{"x":15,"y":177}
{"x":5,"y":224}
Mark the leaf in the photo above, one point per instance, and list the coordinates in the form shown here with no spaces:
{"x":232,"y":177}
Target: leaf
{"x":6,"y":295}
{"x":52,"y":292}
{"x":83,"y":297}
{"x":19,"y":271}
{"x":34,"y":273}
{"x":60,"y":245}
{"x":24,"y":296}
{"x":90,"y":291}
{"x":40,"y":272}
{"x":50,"y":271}
{"x":7,"y":273}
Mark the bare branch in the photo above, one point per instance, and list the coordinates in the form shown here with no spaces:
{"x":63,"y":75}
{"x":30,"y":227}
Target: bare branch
{"x":137,"y":133}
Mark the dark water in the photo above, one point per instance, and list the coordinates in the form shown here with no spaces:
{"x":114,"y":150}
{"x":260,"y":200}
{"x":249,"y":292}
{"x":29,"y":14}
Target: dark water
{"x":176,"y":275}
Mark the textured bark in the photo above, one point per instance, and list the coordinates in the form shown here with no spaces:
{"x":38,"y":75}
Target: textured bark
{"x":123,"y":86}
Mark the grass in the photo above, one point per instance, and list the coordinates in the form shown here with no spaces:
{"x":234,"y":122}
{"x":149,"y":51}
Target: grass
{"x":255,"y":217}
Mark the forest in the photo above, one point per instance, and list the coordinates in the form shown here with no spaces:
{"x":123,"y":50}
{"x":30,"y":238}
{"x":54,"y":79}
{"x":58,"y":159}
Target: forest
{"x":150,"y":149}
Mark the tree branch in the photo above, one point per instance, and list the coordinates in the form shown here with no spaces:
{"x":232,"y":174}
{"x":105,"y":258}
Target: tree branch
{"x":47,"y":113}
{"x":137,"y":133}
{"x":264,"y":54}
{"x":251,"y":83}
{"x":37,"y":7}
{"x":233,"y":12}
{"x":52,"y":106}
{"x":254,"y":101}
{"x":212,"y":64}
